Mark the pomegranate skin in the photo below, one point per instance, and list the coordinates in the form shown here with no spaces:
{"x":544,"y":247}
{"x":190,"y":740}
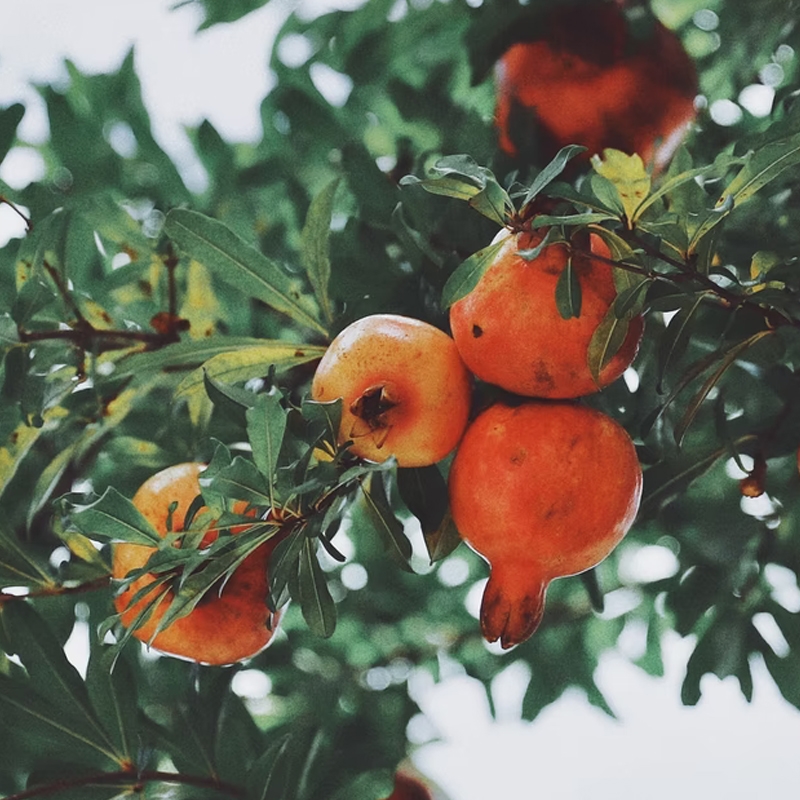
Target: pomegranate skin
{"x":510,"y":332}
{"x":583,"y":78}
{"x":226,"y":626}
{"x":404,"y":388}
{"x":541,"y":490}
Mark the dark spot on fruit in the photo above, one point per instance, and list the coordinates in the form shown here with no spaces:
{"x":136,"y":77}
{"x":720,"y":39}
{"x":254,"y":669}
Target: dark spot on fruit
{"x":477,"y":331}
{"x":518,"y":458}
{"x":542,"y":375}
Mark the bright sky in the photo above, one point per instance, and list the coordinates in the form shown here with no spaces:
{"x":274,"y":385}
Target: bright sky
{"x":723,"y":748}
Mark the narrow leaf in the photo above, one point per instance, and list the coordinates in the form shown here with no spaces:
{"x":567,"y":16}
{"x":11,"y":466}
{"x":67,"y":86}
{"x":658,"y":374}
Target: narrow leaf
{"x":315,"y":242}
{"x":266,"y":426}
{"x":316,"y":603}
{"x":241,"y":266}
{"x":606,"y":341}
{"x":568,"y":292}
{"x":114,"y":518}
{"x":466,"y":276}
{"x":384,"y":522}
{"x":727,"y":361}
{"x":676,"y":337}
{"x":53,"y":677}
{"x":552,"y":170}
{"x":493,"y":202}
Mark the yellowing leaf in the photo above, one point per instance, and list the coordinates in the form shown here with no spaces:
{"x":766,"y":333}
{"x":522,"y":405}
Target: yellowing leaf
{"x":629,"y":177}
{"x":200,"y":304}
{"x":249,"y":362}
{"x":762,"y":262}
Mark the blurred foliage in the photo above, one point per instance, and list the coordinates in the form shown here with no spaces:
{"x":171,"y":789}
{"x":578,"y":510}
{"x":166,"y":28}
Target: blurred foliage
{"x":143,"y":323}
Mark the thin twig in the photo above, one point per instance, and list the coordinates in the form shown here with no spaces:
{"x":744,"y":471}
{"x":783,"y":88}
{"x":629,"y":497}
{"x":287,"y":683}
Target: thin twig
{"x":58,"y":589}
{"x":14,"y":207}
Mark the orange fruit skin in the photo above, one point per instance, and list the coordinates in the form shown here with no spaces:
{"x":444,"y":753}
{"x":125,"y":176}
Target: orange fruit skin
{"x":585,"y":80}
{"x":419,"y":367}
{"x":510,"y":333}
{"x":224,"y":627}
{"x":541,"y":490}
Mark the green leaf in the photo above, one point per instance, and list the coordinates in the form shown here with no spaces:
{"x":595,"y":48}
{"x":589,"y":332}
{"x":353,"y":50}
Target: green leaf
{"x":283,"y":568}
{"x":316,"y":603}
{"x":19,"y":566}
{"x":424,"y":491}
{"x":460,"y":177}
{"x":315,"y":243}
{"x":606,"y":193}
{"x":552,"y":170}
{"x":234,"y":400}
{"x":727,"y":361}
{"x":384,"y":522}
{"x":762,"y":166}
{"x":54,"y":679}
{"x":606,"y":341}
{"x":456,"y":188}
{"x":112,"y":692}
{"x":676,"y":337}
{"x":493,"y":202}
{"x":568,"y":292}
{"x":271,"y":777}
{"x":114,"y":518}
{"x":587,"y":218}
{"x":266,"y":426}
{"x":444,"y":540}
{"x":671,"y":477}
{"x":241,"y":266}
{"x":239,"y":479}
{"x":467,"y":275}
{"x":10,"y":119}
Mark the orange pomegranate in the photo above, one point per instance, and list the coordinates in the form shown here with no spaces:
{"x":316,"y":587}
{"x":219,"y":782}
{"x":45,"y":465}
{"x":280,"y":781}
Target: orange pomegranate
{"x":541,"y":490}
{"x":405,"y":390}
{"x":510,"y":332}
{"x":580,"y":76}
{"x":226,"y":626}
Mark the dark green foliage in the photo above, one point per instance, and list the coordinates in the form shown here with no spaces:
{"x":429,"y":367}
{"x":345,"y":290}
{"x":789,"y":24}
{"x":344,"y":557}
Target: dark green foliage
{"x":142,"y":325}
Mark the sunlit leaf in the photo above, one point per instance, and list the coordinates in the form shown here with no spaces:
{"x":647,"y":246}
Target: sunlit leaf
{"x":247,"y":362}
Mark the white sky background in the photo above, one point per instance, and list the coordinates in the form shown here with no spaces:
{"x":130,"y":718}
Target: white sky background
{"x":723,"y":748}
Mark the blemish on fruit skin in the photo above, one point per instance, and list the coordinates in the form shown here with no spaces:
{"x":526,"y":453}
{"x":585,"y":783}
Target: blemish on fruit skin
{"x":518,"y":458}
{"x":477,"y":331}
{"x":542,"y":375}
